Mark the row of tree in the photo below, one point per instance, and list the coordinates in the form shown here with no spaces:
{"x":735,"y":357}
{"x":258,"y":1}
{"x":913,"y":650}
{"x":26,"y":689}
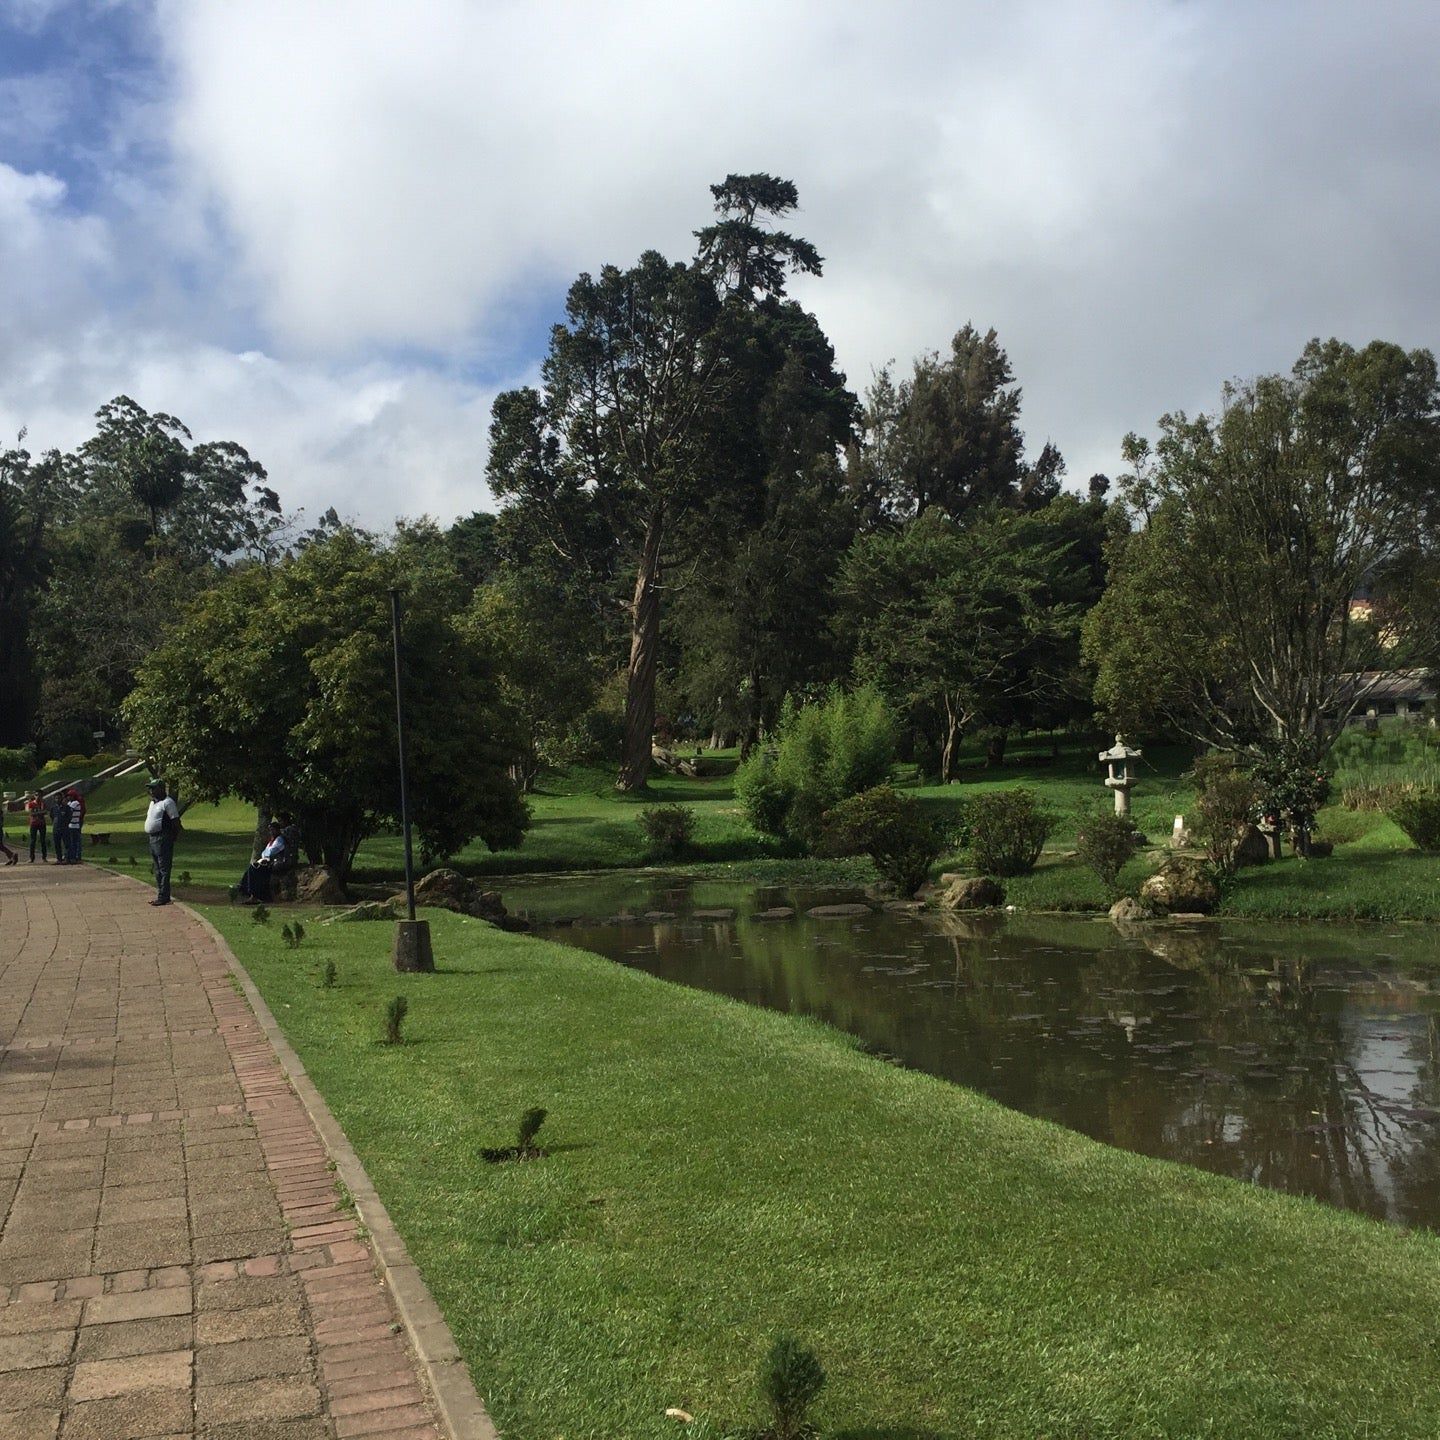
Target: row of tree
{"x":699,"y":519}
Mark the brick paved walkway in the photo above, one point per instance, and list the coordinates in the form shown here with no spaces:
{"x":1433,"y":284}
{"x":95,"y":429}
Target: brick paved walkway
{"x":174,"y":1257}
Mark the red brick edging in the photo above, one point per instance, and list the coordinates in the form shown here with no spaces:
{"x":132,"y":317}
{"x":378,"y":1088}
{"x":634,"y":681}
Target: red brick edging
{"x":302,"y":1140}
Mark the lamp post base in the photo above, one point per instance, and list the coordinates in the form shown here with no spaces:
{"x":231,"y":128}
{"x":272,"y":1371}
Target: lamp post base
{"x":412,"y":950}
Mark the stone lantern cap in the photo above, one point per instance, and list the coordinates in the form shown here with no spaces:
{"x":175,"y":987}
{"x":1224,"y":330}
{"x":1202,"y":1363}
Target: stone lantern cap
{"x":1119,"y":751}
{"x":1117,"y":759}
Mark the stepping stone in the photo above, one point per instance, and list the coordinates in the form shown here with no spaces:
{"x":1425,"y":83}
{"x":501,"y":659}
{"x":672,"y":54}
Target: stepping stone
{"x":837,"y":912}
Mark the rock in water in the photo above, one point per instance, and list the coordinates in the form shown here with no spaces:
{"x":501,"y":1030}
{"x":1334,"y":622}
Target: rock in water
{"x":1128,"y":908}
{"x":836,"y":912}
{"x":1181,"y":884}
{"x":449,"y":890}
{"x":977,"y":892}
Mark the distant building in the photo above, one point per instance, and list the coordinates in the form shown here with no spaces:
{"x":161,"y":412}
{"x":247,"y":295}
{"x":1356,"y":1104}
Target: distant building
{"x":1399,"y":694}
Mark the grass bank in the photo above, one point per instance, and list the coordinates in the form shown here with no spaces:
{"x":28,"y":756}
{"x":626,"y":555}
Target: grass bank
{"x":718,"y":1174}
{"x":581,"y":823}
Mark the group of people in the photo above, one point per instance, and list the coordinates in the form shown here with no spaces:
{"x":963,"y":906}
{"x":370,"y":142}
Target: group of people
{"x":63,"y":816}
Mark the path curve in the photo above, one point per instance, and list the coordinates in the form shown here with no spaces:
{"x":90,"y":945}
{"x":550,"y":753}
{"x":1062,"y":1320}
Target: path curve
{"x":175,"y":1258}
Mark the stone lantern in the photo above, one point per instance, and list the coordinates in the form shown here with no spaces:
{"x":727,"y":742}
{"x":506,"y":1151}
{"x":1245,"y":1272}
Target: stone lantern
{"x":1117,"y":759}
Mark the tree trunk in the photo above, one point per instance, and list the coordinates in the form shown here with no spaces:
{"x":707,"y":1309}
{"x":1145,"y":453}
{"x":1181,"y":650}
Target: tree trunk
{"x":262,"y":830}
{"x":948,"y":748}
{"x":644,"y":656}
{"x":995,"y":743}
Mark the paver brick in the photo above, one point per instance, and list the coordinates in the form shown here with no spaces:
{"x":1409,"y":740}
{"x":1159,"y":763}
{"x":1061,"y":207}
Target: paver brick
{"x":101,"y":1379}
{"x":162,"y":1192}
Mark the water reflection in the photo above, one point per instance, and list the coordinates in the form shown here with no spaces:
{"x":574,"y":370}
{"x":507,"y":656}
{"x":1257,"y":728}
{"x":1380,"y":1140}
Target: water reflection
{"x":1301,"y":1058}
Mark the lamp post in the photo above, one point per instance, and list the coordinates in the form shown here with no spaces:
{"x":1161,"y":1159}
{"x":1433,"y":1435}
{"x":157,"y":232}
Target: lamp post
{"x":412,"y":937}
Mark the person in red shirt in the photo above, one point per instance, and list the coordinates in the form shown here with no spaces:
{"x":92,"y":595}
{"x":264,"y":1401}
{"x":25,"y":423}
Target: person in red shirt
{"x":35,"y":813}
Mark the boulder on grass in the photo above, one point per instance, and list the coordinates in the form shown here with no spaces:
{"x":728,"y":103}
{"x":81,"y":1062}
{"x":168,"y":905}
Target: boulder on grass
{"x":368,"y":910}
{"x":319,"y":885}
{"x":449,"y":890}
{"x":975,"y":892}
{"x":1253,"y":849}
{"x":1181,"y":885}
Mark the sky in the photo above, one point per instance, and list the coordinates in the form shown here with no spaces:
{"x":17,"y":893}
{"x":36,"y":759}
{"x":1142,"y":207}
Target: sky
{"x":334,"y":230}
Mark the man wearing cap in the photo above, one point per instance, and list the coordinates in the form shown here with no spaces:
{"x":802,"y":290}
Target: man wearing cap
{"x":162,"y":822}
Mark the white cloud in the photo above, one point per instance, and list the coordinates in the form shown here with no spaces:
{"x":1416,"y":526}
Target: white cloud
{"x":1143,"y":198}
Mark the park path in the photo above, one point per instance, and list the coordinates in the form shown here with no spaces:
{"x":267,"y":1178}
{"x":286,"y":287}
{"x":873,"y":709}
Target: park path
{"x":174,"y":1257}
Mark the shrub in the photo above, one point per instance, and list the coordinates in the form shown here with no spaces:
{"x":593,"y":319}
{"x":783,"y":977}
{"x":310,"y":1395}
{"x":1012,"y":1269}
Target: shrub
{"x":1008,"y":830}
{"x":668,"y":828}
{"x":1293,"y":786}
{"x":524,"y":1147}
{"x":822,"y":753}
{"x":891,"y":829}
{"x":260,"y":914}
{"x":1226,"y":802}
{"x":1105,"y":842}
{"x":762,"y":796}
{"x":1418,"y":815}
{"x":791,"y":1379}
{"x":329,"y":975}
{"x":17,"y":764}
{"x":293,"y":935}
{"x":395,"y":1013}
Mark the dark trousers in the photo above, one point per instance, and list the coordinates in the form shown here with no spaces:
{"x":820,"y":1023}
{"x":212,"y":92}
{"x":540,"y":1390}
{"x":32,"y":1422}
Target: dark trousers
{"x":162,"y":852}
{"x":255,"y":882}
{"x":61,"y":832}
{"x":37,"y":832}
{"x":72,"y":845}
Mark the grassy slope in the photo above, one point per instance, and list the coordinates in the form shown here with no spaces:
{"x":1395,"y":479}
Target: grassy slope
{"x":721,"y":1173}
{"x":582,"y":824}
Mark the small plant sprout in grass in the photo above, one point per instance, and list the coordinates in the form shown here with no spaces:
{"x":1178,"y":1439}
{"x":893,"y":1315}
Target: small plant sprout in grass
{"x":790,"y":1380}
{"x":395,"y":1013}
{"x":293,"y":935}
{"x":260,"y":914}
{"x":184,"y":877}
{"x":133,"y":860}
{"x":112,"y":859}
{"x":328,"y":976}
{"x":524,"y":1147}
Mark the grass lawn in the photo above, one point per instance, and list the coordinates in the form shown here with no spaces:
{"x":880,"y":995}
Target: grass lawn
{"x":720,"y":1173}
{"x":581,"y":823}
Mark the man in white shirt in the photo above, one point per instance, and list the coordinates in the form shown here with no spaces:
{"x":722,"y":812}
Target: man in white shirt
{"x":162,"y":823}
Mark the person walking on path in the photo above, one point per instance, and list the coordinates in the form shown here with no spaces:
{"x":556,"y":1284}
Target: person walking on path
{"x":39,"y":826}
{"x":162,"y":824}
{"x":60,"y":823}
{"x":76,"y":801}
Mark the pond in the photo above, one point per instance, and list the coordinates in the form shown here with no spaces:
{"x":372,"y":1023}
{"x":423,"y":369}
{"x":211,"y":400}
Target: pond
{"x":1301,"y":1057}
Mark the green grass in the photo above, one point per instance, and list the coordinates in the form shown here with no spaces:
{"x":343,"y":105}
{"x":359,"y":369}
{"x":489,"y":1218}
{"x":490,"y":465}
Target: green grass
{"x":719,"y":1174}
{"x":581,"y":823}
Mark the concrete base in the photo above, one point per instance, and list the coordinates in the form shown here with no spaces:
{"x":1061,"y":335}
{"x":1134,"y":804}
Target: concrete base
{"x":412,"y":946}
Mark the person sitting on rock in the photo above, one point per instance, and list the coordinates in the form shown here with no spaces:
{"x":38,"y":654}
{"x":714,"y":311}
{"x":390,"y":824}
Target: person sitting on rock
{"x":254,"y":886}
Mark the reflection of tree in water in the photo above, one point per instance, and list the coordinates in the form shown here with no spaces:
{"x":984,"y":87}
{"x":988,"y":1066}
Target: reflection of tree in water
{"x":1183,"y":1042}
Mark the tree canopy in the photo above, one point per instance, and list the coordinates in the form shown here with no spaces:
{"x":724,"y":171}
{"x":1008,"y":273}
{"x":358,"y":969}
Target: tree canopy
{"x":272,"y":686}
{"x":1232,"y":614}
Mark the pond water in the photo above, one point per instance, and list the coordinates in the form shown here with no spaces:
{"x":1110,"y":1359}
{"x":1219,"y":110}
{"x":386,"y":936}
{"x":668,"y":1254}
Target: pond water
{"x":1301,"y":1057}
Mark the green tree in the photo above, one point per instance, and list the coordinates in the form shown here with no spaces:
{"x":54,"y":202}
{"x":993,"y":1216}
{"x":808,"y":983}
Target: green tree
{"x":964,"y":627}
{"x":948,"y":436}
{"x":27,"y":504}
{"x":668,"y":404}
{"x":1231,"y":614}
{"x":276,"y":687}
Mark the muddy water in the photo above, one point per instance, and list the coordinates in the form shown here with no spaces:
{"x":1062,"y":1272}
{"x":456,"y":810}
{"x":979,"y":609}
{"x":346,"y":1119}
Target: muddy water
{"x":1301,"y":1057}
